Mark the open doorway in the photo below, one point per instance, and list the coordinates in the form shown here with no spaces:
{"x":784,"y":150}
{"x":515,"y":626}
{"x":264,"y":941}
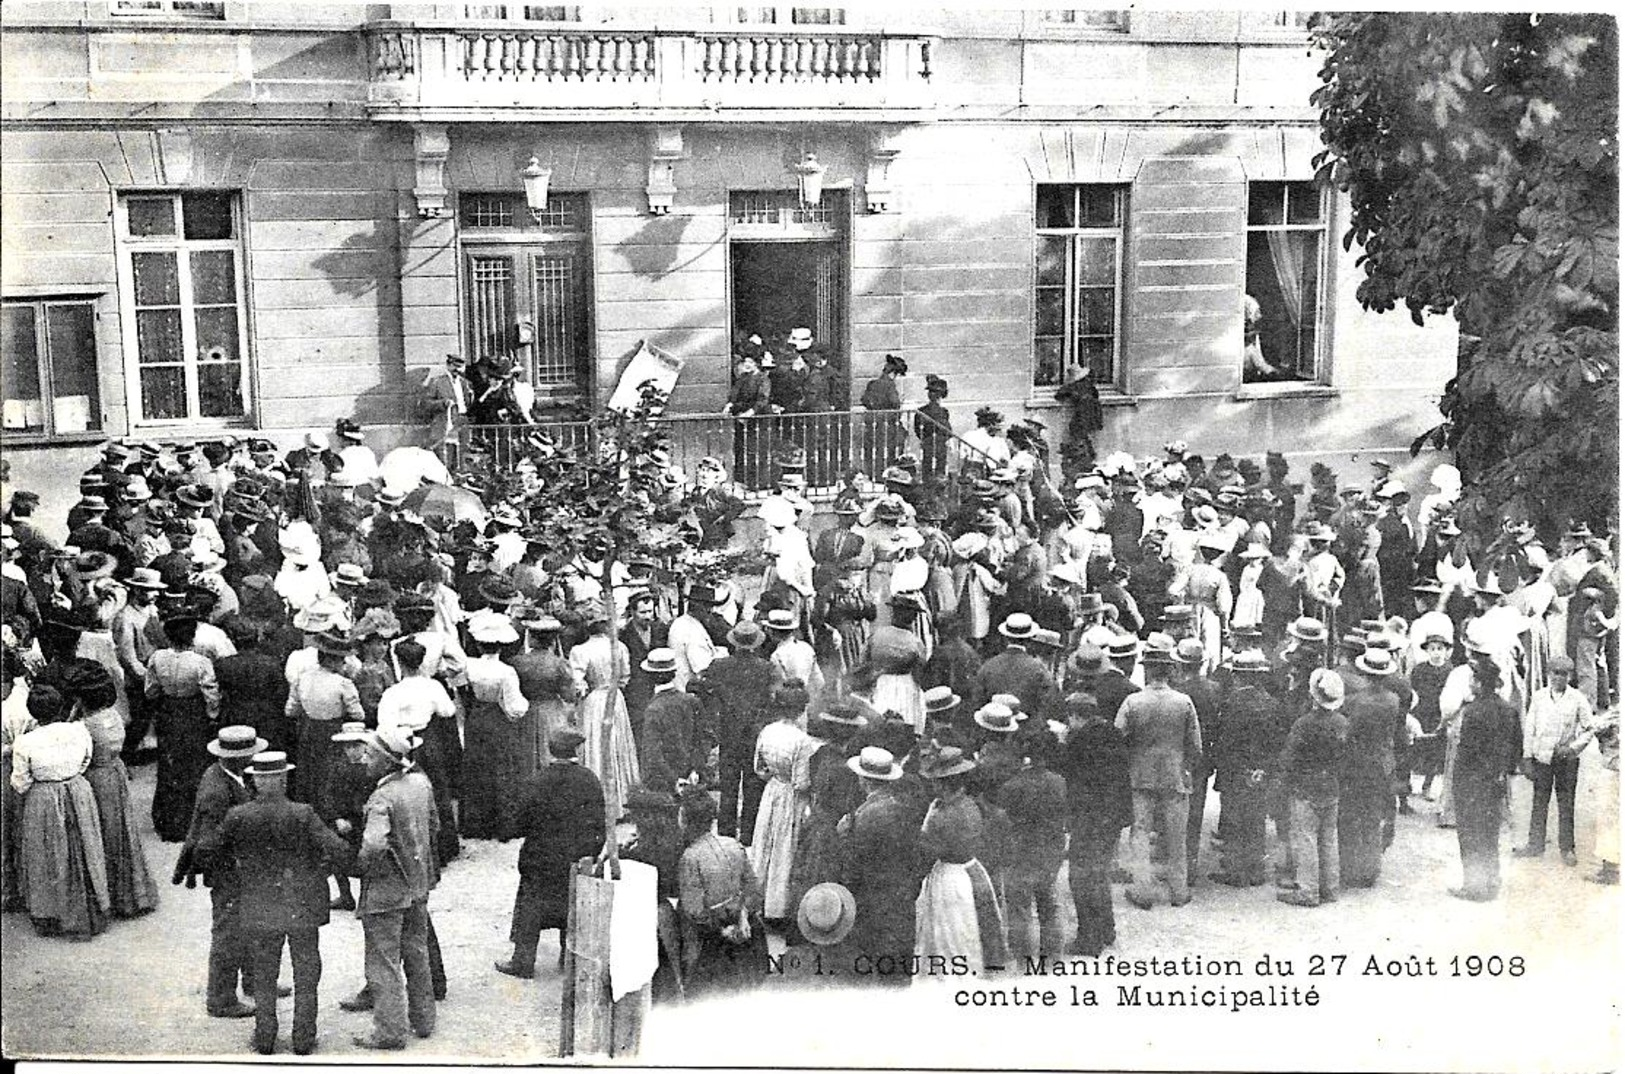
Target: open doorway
{"x":778,"y":286}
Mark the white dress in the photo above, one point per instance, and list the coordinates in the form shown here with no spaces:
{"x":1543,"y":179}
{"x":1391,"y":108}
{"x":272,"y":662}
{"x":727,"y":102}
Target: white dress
{"x":610,"y":752}
{"x":784,"y":759}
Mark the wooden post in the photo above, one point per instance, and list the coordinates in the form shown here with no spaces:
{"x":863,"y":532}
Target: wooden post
{"x":590,"y":1021}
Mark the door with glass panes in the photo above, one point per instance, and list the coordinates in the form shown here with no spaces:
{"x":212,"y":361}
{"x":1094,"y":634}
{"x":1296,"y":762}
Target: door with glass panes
{"x":526,"y":297}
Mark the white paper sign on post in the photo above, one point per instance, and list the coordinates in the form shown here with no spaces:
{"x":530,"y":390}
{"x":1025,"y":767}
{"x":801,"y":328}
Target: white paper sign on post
{"x":648,"y":364}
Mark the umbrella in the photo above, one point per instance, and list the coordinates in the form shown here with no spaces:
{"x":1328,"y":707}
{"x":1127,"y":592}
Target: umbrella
{"x":405,"y":468}
{"x":447,"y":502}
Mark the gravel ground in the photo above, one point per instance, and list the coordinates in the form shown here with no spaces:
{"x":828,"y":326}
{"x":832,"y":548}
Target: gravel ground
{"x":137,"y":990}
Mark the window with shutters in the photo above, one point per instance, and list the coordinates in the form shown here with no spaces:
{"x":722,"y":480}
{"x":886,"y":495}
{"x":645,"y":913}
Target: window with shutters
{"x":1078,"y":282}
{"x":48,"y":367}
{"x":1282,"y":333}
{"x":181,"y":295}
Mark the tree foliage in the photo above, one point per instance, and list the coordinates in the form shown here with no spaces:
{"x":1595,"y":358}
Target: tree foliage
{"x":1480,"y":156}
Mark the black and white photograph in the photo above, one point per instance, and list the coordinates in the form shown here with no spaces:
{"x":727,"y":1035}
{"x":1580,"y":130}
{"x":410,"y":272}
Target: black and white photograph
{"x":878,"y":537}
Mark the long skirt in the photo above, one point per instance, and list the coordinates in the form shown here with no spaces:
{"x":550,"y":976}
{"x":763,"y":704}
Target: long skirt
{"x":129,"y":882}
{"x":491,"y":772}
{"x":62,"y":870}
{"x":11,"y":820}
{"x":184,"y":734}
{"x":543,"y":718}
{"x":902,"y":695}
{"x":817,"y":854}
{"x":957,"y":914}
{"x":773,"y":848}
{"x":610,"y":752}
{"x":433,"y":759}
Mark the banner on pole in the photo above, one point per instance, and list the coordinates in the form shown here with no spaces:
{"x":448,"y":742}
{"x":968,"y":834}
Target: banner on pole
{"x":648,"y":364}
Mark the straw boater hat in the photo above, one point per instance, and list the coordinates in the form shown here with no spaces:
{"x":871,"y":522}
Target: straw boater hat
{"x":1124,"y":647}
{"x":353,"y":731}
{"x":145,"y":578}
{"x":837,"y":720}
{"x":1088,"y":662}
{"x":780,"y":621}
{"x":1189,"y":652}
{"x":1018,"y":626}
{"x":237,"y":740}
{"x":1308,"y":629}
{"x":1248,"y":661}
{"x":827,"y":913}
{"x":270,"y":763}
{"x":872,"y":762}
{"x":996,"y":717}
{"x":941,"y":699}
{"x":349,"y":574}
{"x":1376,"y":661}
{"x":660,"y":661}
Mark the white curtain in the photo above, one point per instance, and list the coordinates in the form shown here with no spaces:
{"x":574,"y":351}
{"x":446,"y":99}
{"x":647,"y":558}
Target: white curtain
{"x":1288,"y":258}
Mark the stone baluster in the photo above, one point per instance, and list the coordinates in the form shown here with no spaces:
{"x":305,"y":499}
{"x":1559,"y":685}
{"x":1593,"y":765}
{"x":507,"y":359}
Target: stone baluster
{"x":510,"y":56}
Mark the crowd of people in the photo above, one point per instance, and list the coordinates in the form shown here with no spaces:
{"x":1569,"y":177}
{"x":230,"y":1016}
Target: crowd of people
{"x":888,"y":744}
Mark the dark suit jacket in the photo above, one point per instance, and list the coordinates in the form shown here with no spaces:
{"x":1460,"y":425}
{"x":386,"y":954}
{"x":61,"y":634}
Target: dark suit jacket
{"x":733,"y":694}
{"x":667,"y":746}
{"x":638,"y":687}
{"x":1016,"y":671}
{"x":254,"y":691}
{"x":283,"y":853}
{"x":200,"y":854}
{"x":561,"y":818}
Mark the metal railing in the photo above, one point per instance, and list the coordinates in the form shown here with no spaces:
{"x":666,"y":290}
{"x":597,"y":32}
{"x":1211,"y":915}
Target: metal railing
{"x":754,"y":447}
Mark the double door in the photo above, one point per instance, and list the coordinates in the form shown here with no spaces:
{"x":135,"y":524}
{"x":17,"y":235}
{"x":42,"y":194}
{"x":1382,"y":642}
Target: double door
{"x":530,"y":302}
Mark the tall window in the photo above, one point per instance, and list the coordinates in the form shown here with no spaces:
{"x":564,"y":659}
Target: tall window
{"x":181,"y":287}
{"x":48,"y":366}
{"x":1286,"y":252}
{"x":1084,"y":18}
{"x":523,"y":12}
{"x":786,"y":15}
{"x":1078,"y":282}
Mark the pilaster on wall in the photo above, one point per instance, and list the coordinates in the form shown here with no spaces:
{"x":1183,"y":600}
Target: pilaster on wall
{"x":428,"y":291}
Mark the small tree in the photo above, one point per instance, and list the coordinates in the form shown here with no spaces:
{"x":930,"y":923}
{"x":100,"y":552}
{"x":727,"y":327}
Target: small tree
{"x":1480,"y":156}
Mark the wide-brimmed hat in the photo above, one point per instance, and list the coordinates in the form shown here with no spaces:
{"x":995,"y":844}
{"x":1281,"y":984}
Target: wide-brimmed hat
{"x":780,"y":620}
{"x":136,"y":490}
{"x":1307,"y":629}
{"x":986,"y":416}
{"x":890,"y":509}
{"x":491,"y":628}
{"x":396,"y":740}
{"x":836,"y":720}
{"x":1248,"y":661}
{"x":997,"y":718}
{"x":1204,"y":516}
{"x":349,"y":574}
{"x":334,"y":643}
{"x":352,"y":731}
{"x":947,"y":761}
{"x":1326,"y":689}
{"x":1068,"y":572}
{"x":661,"y":661}
{"x":1018,"y":626}
{"x":199,"y":496}
{"x":906,"y":539}
{"x":346,"y":478}
{"x":145,"y":578}
{"x":789,"y":697}
{"x":747,"y":634}
{"x":1320,"y":533}
{"x":1159,"y":649}
{"x":941,"y":699}
{"x":1178,"y":613}
{"x":872,"y":762}
{"x":90,"y":566}
{"x":269,"y":763}
{"x":827,"y":913}
{"x":970,"y":543}
{"x":377,"y":623}
{"x":237,"y":740}
{"x":1090,"y":603}
{"x":1253,"y":551}
{"x":499,"y":592}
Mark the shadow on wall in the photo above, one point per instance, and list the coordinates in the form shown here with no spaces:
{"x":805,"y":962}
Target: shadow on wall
{"x":653,"y":249}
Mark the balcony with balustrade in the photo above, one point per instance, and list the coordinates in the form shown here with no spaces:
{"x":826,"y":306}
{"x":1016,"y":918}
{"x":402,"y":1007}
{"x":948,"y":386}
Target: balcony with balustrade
{"x":472,"y":72}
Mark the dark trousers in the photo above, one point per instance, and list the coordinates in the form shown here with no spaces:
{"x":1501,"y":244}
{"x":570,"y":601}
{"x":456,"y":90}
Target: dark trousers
{"x":1563,"y":775}
{"x":1478,"y":834}
{"x":229,"y":954}
{"x":1243,"y":815}
{"x":1201,"y":775}
{"x":397,"y":960}
{"x":1089,"y":875}
{"x":741,"y":790}
{"x":305,"y":954}
{"x":140,"y":723}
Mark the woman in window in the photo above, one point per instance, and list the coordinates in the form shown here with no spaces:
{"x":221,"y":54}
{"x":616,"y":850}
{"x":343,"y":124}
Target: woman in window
{"x":1256,"y":366}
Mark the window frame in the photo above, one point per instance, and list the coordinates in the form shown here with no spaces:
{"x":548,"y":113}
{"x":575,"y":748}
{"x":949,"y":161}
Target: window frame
{"x":167,"y":10}
{"x":1323,"y":283}
{"x":1042,"y":23}
{"x":127,"y":246}
{"x":1120,"y":193}
{"x":514,"y":14}
{"x":784,"y":17}
{"x":45,"y":369}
